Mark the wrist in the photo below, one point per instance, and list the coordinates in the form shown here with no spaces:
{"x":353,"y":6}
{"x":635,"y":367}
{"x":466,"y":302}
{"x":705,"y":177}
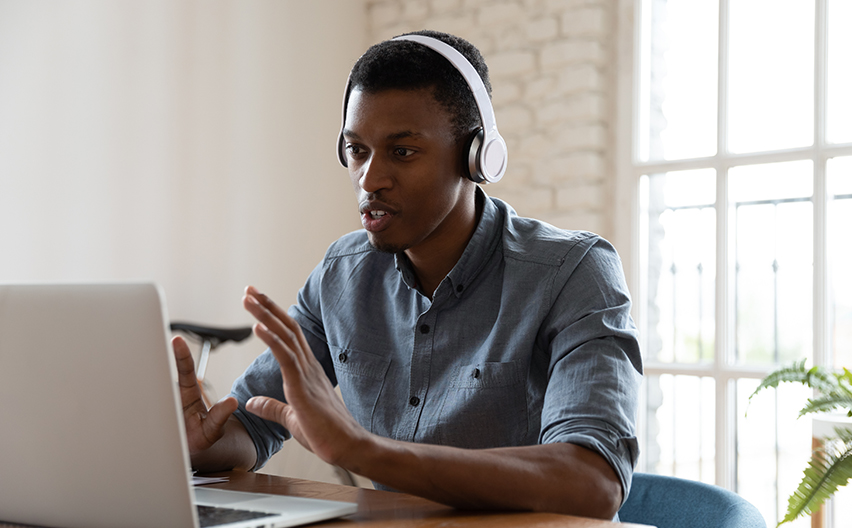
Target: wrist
{"x":367,"y":453}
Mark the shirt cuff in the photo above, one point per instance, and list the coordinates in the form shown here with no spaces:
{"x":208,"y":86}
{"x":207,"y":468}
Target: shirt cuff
{"x":620,"y":452}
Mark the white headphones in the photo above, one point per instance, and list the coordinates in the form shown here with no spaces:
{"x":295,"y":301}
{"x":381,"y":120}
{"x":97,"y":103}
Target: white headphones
{"x":487,"y":155}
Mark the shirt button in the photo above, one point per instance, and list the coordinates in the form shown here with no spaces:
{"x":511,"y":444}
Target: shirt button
{"x":476,"y":373}
{"x":342,"y":358}
{"x":459,"y":288}
{"x":414,"y":401}
{"x":424,"y":329}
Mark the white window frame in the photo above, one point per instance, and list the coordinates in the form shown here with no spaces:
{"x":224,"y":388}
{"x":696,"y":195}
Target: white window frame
{"x":626,"y":220}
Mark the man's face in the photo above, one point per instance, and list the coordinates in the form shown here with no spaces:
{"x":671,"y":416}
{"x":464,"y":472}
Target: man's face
{"x":405,"y":166}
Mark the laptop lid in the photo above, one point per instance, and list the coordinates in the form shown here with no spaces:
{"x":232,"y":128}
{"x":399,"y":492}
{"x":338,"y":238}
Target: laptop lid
{"x":91,"y":431}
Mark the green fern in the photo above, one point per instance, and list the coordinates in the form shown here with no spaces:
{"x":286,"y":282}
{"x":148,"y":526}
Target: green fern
{"x":829,"y":402}
{"x":829,"y":468}
{"x":826,"y":472}
{"x":815,"y":377}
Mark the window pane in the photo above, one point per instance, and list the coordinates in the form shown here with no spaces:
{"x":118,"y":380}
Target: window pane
{"x":774,"y":261}
{"x":773,"y":447}
{"x":681,"y":266}
{"x":839,"y":114}
{"x":839,"y":173}
{"x":680,"y":80}
{"x":771,"y":57}
{"x":681,"y":427}
{"x":842,"y":506}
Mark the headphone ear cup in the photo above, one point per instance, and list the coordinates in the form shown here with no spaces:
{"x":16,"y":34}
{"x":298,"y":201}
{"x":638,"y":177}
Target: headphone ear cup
{"x":341,"y":150}
{"x":472,"y":161}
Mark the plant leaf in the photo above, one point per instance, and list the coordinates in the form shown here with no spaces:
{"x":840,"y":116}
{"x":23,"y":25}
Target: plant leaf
{"x":793,"y":373}
{"x":823,"y":379}
{"x":826,"y":471}
{"x":827,"y":403}
{"x":815,"y":377}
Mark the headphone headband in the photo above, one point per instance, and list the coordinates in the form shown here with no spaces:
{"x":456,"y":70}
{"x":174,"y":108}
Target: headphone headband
{"x":488,"y":155}
{"x":471,"y":76}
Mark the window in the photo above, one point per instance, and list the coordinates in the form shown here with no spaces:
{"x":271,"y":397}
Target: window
{"x":742,"y":162}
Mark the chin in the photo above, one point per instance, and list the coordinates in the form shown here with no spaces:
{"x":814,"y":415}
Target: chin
{"x":386,"y":246}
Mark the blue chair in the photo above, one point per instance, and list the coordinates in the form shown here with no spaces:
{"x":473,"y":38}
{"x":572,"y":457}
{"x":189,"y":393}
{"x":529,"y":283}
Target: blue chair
{"x":669,"y":502}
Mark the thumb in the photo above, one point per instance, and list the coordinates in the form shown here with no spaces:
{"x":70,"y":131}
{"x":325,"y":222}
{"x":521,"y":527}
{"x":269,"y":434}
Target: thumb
{"x":268,"y":409}
{"x":221,"y":411}
{"x":218,"y":415}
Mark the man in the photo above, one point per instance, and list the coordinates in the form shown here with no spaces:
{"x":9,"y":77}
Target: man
{"x":485,"y":360}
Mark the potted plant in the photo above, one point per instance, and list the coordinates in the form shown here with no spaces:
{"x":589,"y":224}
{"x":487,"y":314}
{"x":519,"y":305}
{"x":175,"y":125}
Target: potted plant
{"x":830,"y":466}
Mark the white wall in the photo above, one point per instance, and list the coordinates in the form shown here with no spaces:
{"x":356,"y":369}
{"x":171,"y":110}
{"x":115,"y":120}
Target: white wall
{"x":190,"y":143}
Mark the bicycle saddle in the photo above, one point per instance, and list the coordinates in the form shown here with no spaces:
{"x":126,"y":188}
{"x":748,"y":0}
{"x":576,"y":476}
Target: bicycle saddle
{"x":215,"y":335}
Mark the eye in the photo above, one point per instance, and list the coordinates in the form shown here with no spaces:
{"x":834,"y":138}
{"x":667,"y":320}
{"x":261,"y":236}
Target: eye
{"x":354,"y":150}
{"x":403,"y":152}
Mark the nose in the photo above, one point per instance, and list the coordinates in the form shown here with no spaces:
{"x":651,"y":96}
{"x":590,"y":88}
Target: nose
{"x":374,"y":175}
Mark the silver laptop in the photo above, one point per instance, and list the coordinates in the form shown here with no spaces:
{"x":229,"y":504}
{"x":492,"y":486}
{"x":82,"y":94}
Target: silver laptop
{"x":91,"y":430}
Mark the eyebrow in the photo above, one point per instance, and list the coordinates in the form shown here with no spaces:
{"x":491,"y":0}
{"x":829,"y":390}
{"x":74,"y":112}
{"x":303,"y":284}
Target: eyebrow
{"x":404,"y":134}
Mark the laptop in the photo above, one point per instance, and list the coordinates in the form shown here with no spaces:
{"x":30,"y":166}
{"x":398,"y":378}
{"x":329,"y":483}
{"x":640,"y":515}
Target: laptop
{"x":91,"y":427}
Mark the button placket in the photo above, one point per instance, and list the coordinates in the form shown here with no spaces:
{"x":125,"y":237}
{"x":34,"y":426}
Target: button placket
{"x":421,"y":357}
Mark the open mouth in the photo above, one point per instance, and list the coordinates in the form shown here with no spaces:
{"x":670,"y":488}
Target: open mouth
{"x":376,"y":215}
{"x":376,"y":220}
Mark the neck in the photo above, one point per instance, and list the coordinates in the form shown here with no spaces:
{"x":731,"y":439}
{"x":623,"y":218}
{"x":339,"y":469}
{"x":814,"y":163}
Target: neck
{"x":433,"y":260}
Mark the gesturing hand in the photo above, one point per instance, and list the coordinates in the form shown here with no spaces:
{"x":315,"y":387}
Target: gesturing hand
{"x":313,"y":414}
{"x":204,"y":427}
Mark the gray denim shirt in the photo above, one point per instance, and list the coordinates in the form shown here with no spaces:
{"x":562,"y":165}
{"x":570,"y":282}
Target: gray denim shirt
{"x":528,"y":340}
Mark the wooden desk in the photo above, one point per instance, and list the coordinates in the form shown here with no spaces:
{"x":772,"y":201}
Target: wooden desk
{"x":385,"y":509}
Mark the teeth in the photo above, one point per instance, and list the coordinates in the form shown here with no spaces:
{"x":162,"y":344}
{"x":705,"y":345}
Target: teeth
{"x":377,"y":214}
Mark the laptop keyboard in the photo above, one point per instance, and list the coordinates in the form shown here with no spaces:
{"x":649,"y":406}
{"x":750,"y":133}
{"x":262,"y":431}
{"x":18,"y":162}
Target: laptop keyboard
{"x":213,"y":516}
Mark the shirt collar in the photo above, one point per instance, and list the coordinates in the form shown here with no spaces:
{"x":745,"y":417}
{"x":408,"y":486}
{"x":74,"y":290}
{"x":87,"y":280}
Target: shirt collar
{"x":477,"y":253}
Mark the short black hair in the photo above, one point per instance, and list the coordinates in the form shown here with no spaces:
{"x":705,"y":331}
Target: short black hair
{"x":407,"y":65}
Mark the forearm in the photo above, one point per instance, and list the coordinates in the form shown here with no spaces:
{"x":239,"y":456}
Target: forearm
{"x":561,"y":478}
{"x":235,"y":450}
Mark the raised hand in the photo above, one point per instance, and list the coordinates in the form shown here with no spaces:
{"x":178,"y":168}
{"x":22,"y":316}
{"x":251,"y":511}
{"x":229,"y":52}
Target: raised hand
{"x":313,"y":414}
{"x":204,"y":427}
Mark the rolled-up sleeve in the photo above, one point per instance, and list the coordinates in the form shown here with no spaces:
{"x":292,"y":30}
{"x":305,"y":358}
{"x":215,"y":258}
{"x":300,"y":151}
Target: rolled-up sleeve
{"x":595,"y":364}
{"x":261,"y":378}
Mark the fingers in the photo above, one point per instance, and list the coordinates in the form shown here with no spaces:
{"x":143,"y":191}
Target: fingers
{"x":268,"y":313}
{"x":275,"y":325}
{"x":183,"y":359}
{"x":190,"y":392}
{"x":269,"y":337}
{"x":268,"y":409}
{"x":279,"y":313}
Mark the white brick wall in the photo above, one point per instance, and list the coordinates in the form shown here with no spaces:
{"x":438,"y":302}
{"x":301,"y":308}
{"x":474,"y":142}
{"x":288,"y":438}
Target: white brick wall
{"x":550,"y":66}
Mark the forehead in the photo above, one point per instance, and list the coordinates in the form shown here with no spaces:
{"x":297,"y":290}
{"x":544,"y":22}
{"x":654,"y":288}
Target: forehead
{"x":390,"y":112}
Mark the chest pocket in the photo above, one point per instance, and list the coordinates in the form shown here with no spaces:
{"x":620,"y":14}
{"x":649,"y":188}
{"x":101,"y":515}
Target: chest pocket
{"x":485,"y":406}
{"x":360,"y":376}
